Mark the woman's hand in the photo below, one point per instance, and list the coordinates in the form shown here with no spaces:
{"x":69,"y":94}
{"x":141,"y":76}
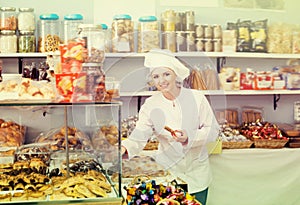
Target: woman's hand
{"x":180,"y":136}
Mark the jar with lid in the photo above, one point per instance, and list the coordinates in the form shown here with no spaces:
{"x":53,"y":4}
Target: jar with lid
{"x":95,"y":42}
{"x":181,"y":41}
{"x":95,"y":81}
{"x":26,"y":19}
{"x":189,"y":21}
{"x":168,"y":20}
{"x":48,"y":33}
{"x":148,"y":34}
{"x":8,"y":18}
{"x":8,"y":41}
{"x":107,"y":37}
{"x":26,"y":42}
{"x":71,"y":23}
{"x":216,"y":31}
{"x":122,"y":34}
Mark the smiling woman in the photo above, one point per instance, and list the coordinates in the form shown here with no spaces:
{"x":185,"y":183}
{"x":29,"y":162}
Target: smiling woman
{"x":187,"y":115}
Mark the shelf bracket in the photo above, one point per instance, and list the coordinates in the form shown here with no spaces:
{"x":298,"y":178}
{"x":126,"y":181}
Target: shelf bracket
{"x":220,"y":63}
{"x":276,"y":98}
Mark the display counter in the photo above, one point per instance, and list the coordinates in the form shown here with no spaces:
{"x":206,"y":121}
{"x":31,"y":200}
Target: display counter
{"x":255,"y":177}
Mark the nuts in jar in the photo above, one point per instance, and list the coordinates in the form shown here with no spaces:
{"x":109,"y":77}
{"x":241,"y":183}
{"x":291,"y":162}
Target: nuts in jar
{"x":8,"y":19}
{"x":122,"y":34}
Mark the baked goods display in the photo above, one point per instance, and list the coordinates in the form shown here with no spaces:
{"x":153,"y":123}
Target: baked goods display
{"x":137,"y":166}
{"x":77,"y":140}
{"x":12,"y":134}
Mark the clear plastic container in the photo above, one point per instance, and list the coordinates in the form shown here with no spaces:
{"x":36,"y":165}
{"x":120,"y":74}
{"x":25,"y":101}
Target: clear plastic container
{"x":71,"y":23}
{"x":8,"y":18}
{"x":148,"y":36}
{"x":26,"y":42}
{"x":26,"y":19}
{"x":95,"y":42}
{"x":8,"y":41}
{"x":48,"y":33}
{"x":168,"y":21}
{"x":107,"y":34}
{"x":122,"y":34}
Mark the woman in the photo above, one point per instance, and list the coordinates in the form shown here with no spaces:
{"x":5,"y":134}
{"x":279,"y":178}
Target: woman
{"x":186,"y":111}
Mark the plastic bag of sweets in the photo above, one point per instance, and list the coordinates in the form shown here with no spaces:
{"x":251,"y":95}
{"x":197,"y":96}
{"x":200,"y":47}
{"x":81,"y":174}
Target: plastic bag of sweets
{"x":243,"y":36}
{"x":258,"y":36}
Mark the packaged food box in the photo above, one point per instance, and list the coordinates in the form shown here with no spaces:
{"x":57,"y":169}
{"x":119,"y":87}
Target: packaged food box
{"x":293,"y":81}
{"x":247,"y":79}
{"x":263,"y":80}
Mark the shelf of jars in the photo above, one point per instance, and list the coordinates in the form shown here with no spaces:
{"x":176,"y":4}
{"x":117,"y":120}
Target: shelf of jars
{"x":179,"y":54}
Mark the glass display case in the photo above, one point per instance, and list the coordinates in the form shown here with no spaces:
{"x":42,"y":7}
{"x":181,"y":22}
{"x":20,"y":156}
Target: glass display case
{"x":59,"y":153}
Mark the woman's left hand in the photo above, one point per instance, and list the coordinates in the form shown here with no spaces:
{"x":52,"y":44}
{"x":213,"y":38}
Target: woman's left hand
{"x":180,"y":136}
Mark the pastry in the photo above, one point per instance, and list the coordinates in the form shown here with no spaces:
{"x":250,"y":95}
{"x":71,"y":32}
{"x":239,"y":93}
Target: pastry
{"x":82,"y":189}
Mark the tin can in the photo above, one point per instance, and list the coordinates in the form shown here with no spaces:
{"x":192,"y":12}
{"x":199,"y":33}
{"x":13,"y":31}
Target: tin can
{"x":216,"y":31}
{"x":199,"y":30}
{"x":208,"y":46}
{"x":207,"y":30}
{"x":217,"y":45}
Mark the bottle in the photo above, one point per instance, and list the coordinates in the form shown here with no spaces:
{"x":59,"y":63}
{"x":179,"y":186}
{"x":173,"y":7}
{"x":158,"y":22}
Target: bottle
{"x":26,"y":19}
{"x":48,"y":33}
{"x":8,"y":18}
{"x":8,"y":41}
{"x":95,"y":42}
{"x":122,"y":34}
{"x":71,"y":23}
{"x":26,"y":42}
{"x":148,"y":34}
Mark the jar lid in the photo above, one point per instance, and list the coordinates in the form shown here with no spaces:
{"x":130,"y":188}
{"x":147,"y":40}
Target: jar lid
{"x":8,"y":32}
{"x":8,"y":9}
{"x":122,"y":16}
{"x":26,"y":9}
{"x":104,"y":26}
{"x":147,"y":18}
{"x":49,"y":17}
{"x":73,"y":17}
{"x":26,"y":32}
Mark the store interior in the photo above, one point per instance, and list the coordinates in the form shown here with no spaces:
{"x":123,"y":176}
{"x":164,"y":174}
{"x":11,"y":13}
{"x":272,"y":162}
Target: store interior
{"x":252,"y":175}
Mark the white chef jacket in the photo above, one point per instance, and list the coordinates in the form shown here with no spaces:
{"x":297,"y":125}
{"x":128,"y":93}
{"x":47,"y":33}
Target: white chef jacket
{"x":191,"y":112}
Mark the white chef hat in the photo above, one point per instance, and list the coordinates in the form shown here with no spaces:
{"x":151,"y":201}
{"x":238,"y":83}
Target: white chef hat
{"x":164,"y":58}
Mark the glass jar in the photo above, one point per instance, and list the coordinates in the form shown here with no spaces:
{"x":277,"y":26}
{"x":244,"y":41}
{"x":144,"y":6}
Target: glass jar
{"x":122,"y":34}
{"x":168,"y":21}
{"x":216,"y":31}
{"x":71,"y":23}
{"x":190,"y":41}
{"x":95,"y":81}
{"x":48,"y":33}
{"x":181,"y":41}
{"x":26,"y":42}
{"x":107,"y":36}
{"x":8,"y":41}
{"x":148,"y":35}
{"x":189,"y":21}
{"x":26,"y":19}
{"x":8,"y":18}
{"x":95,"y":42}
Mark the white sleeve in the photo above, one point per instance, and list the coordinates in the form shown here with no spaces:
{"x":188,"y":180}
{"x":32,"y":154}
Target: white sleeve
{"x":137,"y":140}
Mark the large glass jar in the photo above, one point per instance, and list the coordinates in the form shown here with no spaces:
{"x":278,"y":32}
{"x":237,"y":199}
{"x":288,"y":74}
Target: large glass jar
{"x":26,"y":42}
{"x":49,"y":33}
{"x":148,"y":35}
{"x":95,"y":42}
{"x":168,"y":28}
{"x":26,"y":19}
{"x":95,"y":81}
{"x":8,"y":41}
{"x":8,"y":18}
{"x":122,"y":34}
{"x":71,"y":23}
{"x":107,"y":37}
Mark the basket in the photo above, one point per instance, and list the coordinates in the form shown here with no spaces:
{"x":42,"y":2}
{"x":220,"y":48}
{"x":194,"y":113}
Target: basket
{"x":272,"y":144}
{"x":237,"y":145}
